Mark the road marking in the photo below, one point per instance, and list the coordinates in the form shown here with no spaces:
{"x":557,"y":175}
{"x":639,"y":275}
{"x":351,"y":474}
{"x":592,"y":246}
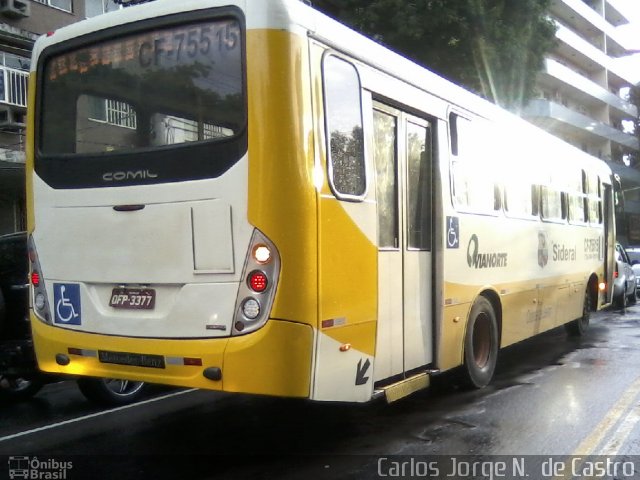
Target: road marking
{"x":613,"y":416}
{"x":621,"y":434}
{"x":610,"y":420}
{"x":94,"y":415}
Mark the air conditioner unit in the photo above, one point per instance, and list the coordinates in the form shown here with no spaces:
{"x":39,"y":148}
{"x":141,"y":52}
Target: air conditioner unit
{"x":11,"y":118}
{"x":15,"y":8}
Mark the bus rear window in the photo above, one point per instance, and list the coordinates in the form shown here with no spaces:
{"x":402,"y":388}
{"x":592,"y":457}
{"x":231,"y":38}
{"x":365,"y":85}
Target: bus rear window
{"x":168,"y":86}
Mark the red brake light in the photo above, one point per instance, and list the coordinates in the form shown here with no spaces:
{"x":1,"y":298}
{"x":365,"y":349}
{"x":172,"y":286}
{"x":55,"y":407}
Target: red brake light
{"x":35,"y":279}
{"x":257,"y":281}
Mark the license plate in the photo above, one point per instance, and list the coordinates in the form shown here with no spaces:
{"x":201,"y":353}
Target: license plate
{"x":133,"y":298}
{"x":133,"y":359}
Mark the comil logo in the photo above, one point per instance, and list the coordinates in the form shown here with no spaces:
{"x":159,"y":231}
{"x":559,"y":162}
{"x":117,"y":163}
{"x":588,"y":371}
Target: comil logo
{"x":477,"y":259}
{"x":128,"y":175}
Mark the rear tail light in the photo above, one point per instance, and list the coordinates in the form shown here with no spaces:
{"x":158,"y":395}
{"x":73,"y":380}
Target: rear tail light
{"x":40,"y":302}
{"x":251,"y":308}
{"x":258,"y":281}
{"x":257,"y":291}
{"x":262,"y":254}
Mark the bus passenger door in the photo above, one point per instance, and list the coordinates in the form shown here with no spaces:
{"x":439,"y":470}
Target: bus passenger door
{"x":402,"y":153}
{"x":609,"y":241}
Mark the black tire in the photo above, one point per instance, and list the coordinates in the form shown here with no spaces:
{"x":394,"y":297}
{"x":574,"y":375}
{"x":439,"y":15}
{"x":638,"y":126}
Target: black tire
{"x":480,"y":344}
{"x":15,"y":389}
{"x":621,"y":301}
{"x":579,"y":326}
{"x":111,"y":392}
{"x":3,"y":313}
{"x":633,"y":297}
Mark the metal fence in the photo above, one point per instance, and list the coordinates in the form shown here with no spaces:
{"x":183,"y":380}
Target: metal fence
{"x":14,"y":86}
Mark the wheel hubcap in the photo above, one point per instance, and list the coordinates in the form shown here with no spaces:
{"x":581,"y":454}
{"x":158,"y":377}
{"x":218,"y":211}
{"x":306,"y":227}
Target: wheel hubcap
{"x":123,"y":387}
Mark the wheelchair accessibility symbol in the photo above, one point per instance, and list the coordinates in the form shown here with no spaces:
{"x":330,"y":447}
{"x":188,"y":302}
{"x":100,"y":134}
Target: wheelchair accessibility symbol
{"x":453,"y":232}
{"x":67,"y":300}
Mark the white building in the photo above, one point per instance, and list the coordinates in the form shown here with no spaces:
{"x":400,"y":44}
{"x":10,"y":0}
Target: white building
{"x":21,"y":22}
{"x":581,"y":88}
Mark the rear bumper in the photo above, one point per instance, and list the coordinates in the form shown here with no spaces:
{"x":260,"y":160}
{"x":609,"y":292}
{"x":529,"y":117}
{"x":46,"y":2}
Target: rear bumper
{"x":275,"y":360}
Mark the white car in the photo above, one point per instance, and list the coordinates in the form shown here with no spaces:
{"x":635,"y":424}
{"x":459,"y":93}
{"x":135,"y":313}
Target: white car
{"x":634,"y":255}
{"x":624,"y":282}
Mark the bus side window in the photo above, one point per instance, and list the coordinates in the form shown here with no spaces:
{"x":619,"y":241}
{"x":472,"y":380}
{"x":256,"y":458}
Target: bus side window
{"x":418,"y":138}
{"x":453,"y":131}
{"x":385,"y":140}
{"x":343,"y":112}
{"x":519,"y":199}
{"x":551,"y":204}
{"x":473,"y":183}
{"x":594,"y":199}
{"x":535,"y":200}
{"x":577,"y":200}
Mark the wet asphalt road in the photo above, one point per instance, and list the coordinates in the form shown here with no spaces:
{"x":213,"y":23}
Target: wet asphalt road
{"x":552,"y":396}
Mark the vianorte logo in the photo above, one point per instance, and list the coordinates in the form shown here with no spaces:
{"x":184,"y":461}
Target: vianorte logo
{"x":478,"y":259}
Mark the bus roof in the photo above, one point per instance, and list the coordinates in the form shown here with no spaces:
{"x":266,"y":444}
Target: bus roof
{"x":297,"y":17}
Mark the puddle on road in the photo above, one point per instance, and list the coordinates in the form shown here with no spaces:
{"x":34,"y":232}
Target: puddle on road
{"x":442,"y":428}
{"x":599,"y":362}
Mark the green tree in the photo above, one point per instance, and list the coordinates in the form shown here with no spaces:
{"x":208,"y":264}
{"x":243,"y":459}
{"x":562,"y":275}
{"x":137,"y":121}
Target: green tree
{"x":493,"y":47}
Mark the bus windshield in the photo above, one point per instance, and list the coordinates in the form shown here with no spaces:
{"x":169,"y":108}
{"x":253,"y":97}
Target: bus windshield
{"x":168,"y":86}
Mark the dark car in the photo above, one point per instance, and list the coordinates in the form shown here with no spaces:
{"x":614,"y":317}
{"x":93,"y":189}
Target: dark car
{"x":19,"y":374}
{"x":14,"y":286}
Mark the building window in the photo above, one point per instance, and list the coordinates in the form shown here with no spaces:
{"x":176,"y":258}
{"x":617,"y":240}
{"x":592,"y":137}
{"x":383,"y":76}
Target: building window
{"x":65,"y":5}
{"x":113,"y":112}
{"x":13,"y":79}
{"x":98,"y":7}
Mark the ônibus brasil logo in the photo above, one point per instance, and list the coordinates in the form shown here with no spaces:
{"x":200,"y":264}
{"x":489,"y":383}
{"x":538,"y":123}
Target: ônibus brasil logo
{"x":37,"y":469}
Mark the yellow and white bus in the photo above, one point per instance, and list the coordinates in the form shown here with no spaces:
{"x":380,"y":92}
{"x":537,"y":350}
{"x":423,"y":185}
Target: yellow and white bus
{"x":247,"y":196}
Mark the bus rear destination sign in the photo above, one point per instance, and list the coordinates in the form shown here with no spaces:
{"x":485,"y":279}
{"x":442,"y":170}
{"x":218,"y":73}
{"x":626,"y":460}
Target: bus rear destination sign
{"x":204,"y":43}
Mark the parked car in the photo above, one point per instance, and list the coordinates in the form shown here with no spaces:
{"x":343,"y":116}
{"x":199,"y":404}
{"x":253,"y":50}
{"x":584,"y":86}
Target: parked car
{"x":634,"y":255}
{"x":19,"y":374}
{"x":624,"y":282}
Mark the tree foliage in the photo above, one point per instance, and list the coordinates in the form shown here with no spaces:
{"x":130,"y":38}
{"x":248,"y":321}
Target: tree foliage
{"x":493,"y":47}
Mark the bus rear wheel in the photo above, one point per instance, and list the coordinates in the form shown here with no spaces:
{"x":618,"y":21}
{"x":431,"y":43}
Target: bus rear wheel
{"x":578,"y":327}
{"x":480,"y":344}
{"x":110,"y":391}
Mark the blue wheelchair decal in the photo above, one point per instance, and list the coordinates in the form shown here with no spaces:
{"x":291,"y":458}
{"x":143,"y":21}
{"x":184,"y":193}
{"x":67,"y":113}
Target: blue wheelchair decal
{"x":453,"y":232}
{"x":66,"y":297}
